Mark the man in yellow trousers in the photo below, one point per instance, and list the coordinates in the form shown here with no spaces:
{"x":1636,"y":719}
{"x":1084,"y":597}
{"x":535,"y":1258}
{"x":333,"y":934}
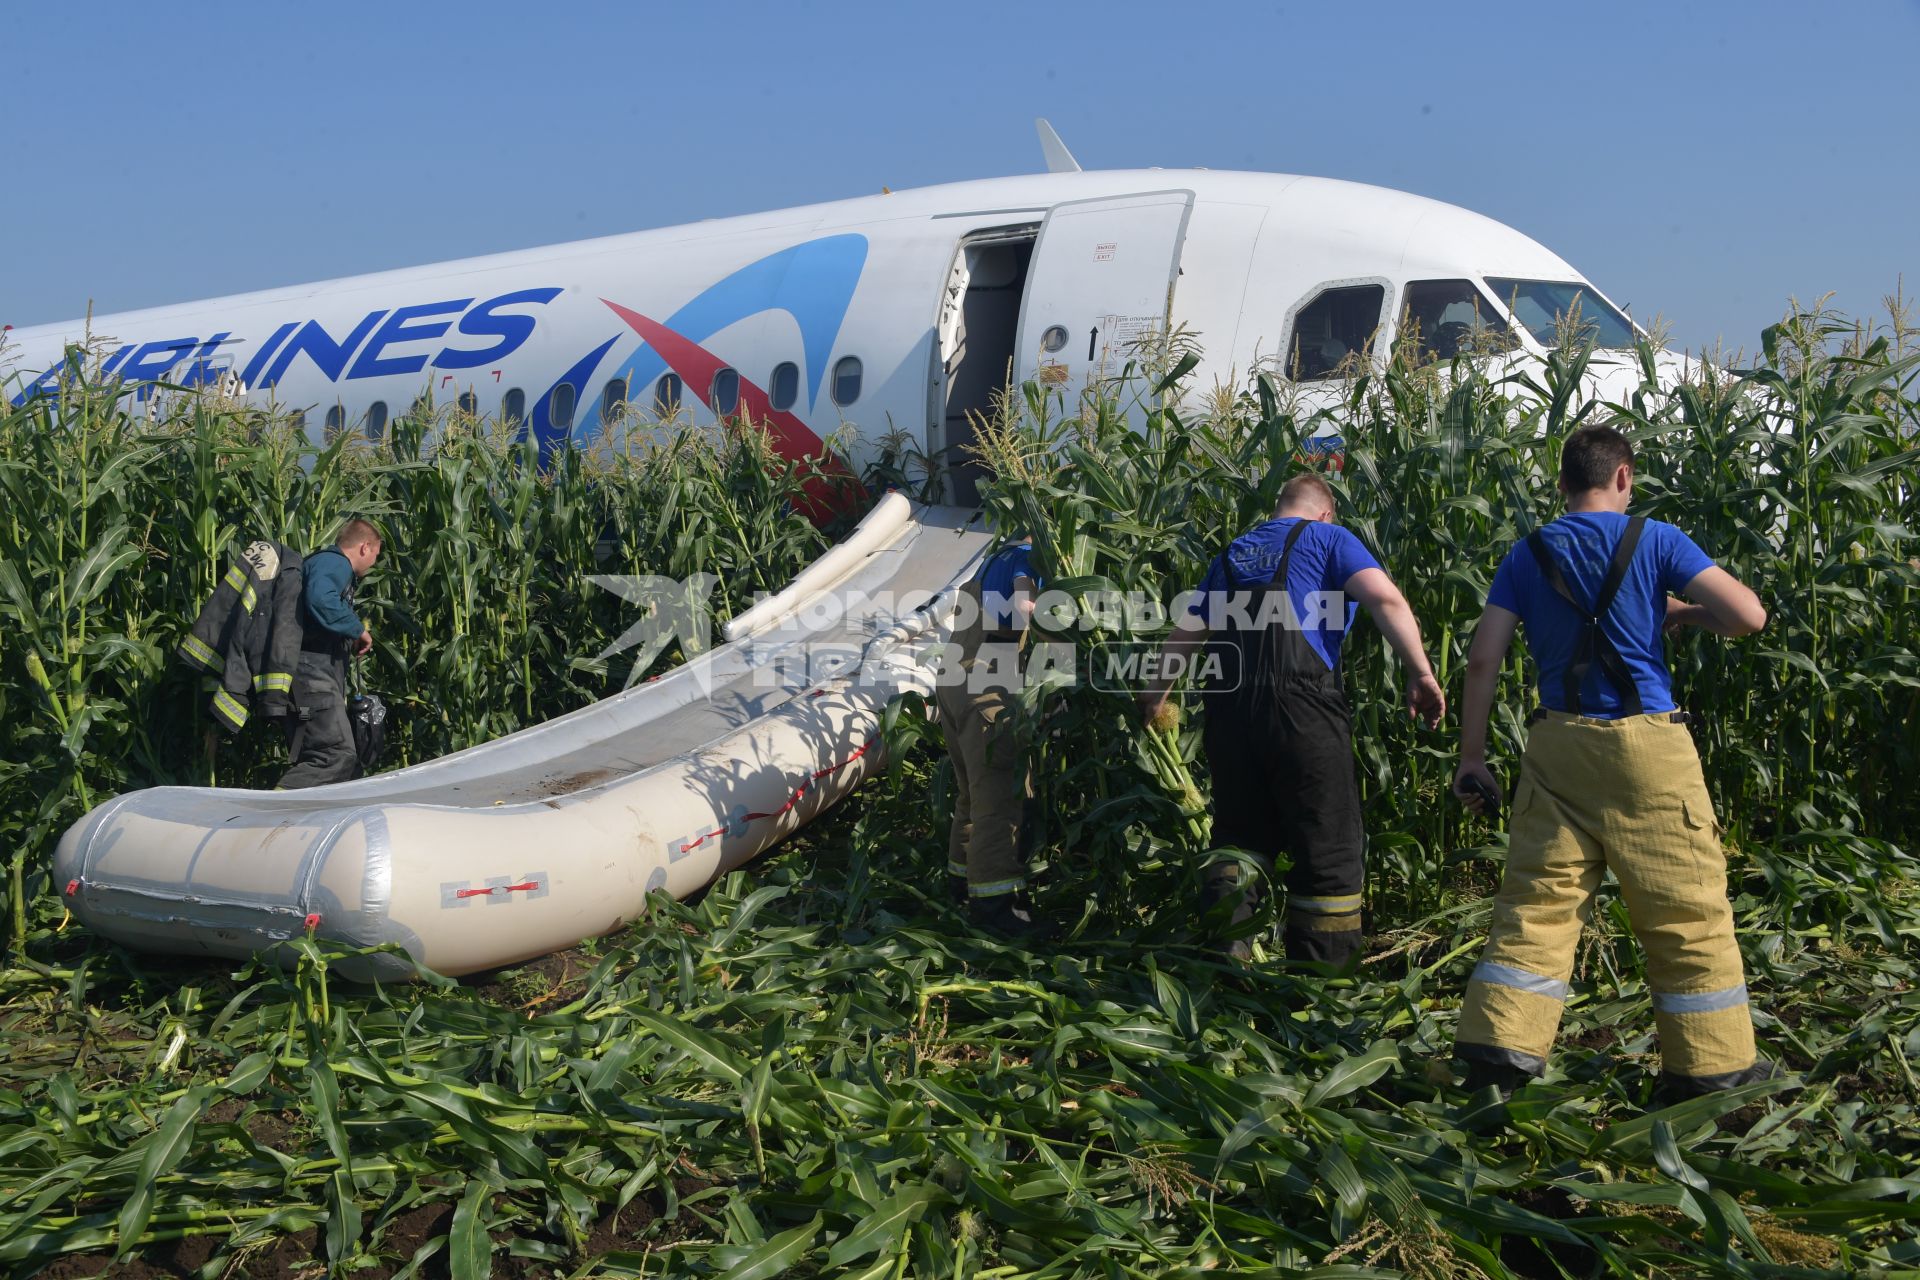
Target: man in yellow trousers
{"x":1610,"y":780}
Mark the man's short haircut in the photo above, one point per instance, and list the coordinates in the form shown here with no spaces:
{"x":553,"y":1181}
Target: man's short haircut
{"x":355,"y":531}
{"x":1590,"y":457}
{"x":1309,"y":488}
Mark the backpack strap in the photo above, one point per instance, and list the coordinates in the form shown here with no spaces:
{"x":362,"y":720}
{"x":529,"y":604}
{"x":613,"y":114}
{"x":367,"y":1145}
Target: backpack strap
{"x":1593,"y":644}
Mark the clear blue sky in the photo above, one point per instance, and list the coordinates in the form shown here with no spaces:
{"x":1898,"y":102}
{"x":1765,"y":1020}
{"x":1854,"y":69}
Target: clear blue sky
{"x":1700,"y":161}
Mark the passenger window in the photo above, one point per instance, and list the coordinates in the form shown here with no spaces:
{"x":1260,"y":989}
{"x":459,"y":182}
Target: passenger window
{"x":336,"y":420}
{"x":560,"y":412}
{"x":725,"y":394}
{"x":784,"y":387}
{"x":846,"y":380}
{"x":613,"y":400}
{"x":1448,"y":318}
{"x":469,"y":404}
{"x":376,"y":420}
{"x":1334,"y":331}
{"x":513,"y":405}
{"x":666,"y":395}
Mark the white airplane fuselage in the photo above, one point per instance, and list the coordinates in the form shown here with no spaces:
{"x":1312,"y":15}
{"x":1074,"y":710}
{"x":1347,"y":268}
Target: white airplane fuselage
{"x":900,"y":312}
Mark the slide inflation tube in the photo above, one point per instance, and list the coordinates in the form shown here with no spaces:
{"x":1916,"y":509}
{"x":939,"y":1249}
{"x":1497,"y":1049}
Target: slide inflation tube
{"x":880,"y":526}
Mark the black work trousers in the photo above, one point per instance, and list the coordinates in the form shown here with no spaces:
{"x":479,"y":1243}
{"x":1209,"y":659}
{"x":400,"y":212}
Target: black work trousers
{"x":1281,"y":756}
{"x":322,"y":737}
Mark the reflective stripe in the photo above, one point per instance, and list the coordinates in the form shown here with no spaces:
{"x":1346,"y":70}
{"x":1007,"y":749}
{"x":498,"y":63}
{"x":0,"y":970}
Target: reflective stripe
{"x":273,"y":682}
{"x":1505,"y":975}
{"x":996,"y":888}
{"x":956,"y":869}
{"x":198,"y":651}
{"x":1319,"y":922}
{"x":1700,"y":1001}
{"x":237,"y":578}
{"x":1326,"y":906}
{"x":225,"y":704}
{"x":249,"y":598}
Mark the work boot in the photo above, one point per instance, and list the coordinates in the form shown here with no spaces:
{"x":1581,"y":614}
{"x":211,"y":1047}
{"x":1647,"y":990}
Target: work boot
{"x":1004,"y":916}
{"x":1670,"y":1089}
{"x":1233,"y":950}
{"x":1502,"y":1076}
{"x":1488,"y":1086}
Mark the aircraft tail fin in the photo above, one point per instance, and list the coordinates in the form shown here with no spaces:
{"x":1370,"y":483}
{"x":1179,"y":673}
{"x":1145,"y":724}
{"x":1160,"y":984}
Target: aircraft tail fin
{"x":1059,"y":159}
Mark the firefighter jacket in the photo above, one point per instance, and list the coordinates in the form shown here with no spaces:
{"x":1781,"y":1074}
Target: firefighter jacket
{"x":247,"y":637}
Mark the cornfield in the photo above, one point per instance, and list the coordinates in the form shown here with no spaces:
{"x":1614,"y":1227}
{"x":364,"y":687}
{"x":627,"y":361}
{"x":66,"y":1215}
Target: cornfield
{"x":815,"y":1068}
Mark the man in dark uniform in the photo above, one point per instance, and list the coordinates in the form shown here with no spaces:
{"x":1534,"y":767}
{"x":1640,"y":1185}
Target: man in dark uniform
{"x":331,"y":632}
{"x":1610,"y":781}
{"x":978,"y":698}
{"x":1280,"y":744}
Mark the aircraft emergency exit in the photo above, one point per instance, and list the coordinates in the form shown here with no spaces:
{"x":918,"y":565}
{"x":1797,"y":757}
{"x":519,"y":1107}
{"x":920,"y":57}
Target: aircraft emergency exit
{"x":904,"y":311}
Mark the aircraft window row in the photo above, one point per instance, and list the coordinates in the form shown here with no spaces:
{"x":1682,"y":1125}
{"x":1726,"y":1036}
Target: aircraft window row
{"x":1334,"y":331}
{"x":723,"y":396}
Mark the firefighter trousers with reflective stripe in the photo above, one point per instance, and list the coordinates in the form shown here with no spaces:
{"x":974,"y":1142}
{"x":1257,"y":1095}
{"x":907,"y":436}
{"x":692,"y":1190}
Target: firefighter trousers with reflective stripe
{"x":1625,"y":795}
{"x":1283,"y":782}
{"x":991,"y":786}
{"x":322,"y":744}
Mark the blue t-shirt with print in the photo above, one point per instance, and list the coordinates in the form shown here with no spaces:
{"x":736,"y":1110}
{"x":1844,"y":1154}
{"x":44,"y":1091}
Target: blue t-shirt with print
{"x":1582,"y":544}
{"x":1324,"y":558}
{"x":996,"y":583}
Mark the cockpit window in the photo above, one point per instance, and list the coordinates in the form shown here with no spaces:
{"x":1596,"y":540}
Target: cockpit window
{"x":1546,"y":307}
{"x":1449,"y":318}
{"x":1333,"y":332}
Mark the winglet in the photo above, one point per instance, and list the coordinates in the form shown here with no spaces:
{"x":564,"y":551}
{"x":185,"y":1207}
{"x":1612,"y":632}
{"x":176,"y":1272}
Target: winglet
{"x":1059,"y":159}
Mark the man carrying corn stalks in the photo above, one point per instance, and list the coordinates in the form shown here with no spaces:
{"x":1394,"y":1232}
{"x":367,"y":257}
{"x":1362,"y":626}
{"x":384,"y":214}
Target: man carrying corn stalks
{"x":1610,"y":781}
{"x":1279,"y":741}
{"x":321,"y":736}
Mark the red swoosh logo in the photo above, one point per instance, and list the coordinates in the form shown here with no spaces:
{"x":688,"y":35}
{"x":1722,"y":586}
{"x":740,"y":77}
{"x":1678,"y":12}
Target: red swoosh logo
{"x":792,"y":438}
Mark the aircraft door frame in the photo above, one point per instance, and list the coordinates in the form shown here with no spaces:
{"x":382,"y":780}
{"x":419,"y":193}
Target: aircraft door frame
{"x":1104,"y":270}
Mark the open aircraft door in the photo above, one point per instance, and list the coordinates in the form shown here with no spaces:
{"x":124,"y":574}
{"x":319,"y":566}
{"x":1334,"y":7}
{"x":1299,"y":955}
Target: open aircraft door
{"x":1100,"y":284}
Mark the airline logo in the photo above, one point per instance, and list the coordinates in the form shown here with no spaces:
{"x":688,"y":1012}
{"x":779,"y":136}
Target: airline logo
{"x":455,"y":334}
{"x":812,"y":283}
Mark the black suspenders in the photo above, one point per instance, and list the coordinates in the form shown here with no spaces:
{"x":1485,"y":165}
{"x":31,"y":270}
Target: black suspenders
{"x":1594,"y":645}
{"x":1286,"y":558}
{"x":1262,"y":656}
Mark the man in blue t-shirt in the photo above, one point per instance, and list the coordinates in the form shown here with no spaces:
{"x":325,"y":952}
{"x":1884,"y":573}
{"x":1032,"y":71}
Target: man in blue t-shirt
{"x":321,"y":746}
{"x":1279,"y":741}
{"x":977,"y":696}
{"x":1610,"y":780}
